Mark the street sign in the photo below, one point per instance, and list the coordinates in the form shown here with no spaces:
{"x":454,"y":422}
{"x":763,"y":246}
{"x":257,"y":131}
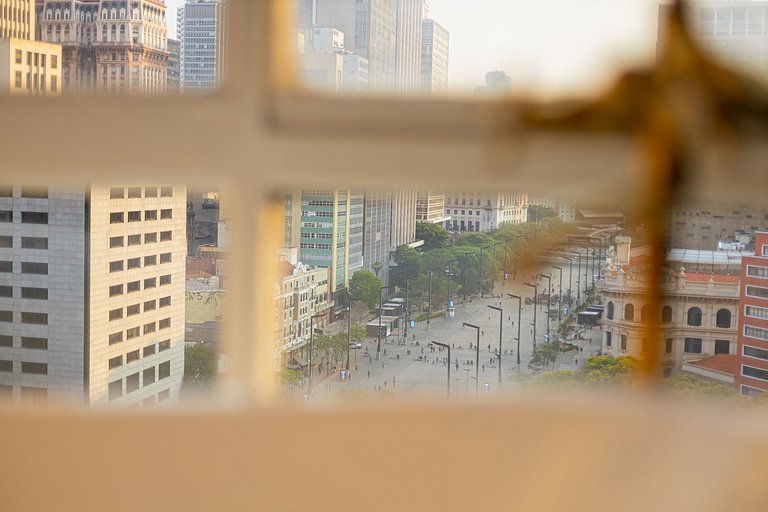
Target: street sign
{"x":450,"y":303}
{"x":413,"y":324}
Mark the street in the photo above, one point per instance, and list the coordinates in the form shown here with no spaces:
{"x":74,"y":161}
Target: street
{"x":418,"y":368}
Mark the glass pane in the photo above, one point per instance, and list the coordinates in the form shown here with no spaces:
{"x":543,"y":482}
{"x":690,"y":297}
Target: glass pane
{"x":492,"y":47}
{"x":142,"y":47}
{"x":87,"y":319}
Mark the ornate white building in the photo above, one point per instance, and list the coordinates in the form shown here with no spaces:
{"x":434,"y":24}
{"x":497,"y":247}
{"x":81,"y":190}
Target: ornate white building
{"x":108,"y":45}
{"x":698,"y":314}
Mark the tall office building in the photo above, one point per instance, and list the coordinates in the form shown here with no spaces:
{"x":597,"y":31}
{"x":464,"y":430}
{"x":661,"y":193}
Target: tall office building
{"x":752,"y":377}
{"x":403,"y":218}
{"x":434,"y":58}
{"x":201,"y":28}
{"x":108,"y":46}
{"x":306,"y":12}
{"x":327,"y":228}
{"x":377,"y":233}
{"x":27,"y":66}
{"x":408,"y":45}
{"x":92,"y":294}
{"x":370,"y":30}
{"x":174,"y":66}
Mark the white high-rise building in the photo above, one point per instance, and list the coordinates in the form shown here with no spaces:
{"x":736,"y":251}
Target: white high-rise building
{"x":434,"y":58}
{"x":92,"y":294}
{"x":201,"y":28}
{"x":370,"y":30}
{"x":408,"y":59}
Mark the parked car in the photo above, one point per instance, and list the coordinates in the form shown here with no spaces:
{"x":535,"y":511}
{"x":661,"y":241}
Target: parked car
{"x":355,"y":345}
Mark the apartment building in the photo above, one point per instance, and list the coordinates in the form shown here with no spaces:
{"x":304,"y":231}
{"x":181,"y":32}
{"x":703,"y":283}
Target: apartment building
{"x":92,"y":294}
{"x":752,"y":375}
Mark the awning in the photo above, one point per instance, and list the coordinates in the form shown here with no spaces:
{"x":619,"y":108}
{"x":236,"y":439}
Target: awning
{"x":299,"y":360}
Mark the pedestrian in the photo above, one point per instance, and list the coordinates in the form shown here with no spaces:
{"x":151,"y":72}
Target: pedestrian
{"x":576,"y":361}
{"x":489,"y":318}
{"x":385,"y":351}
{"x":385,"y":384}
{"x":483,"y":367}
{"x":382,"y":364}
{"x":369,"y":374}
{"x":483,"y":332}
{"x":355,"y":367}
{"x":489,"y":347}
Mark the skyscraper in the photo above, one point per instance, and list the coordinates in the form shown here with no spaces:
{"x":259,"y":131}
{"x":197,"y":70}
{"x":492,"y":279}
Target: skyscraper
{"x":378,"y":230}
{"x":403,"y":218}
{"x":108,"y":46}
{"x":370,"y":30}
{"x":434,"y":58}
{"x":408,"y":45}
{"x":174,"y":66}
{"x":26,"y":66}
{"x":201,"y":28}
{"x":327,"y":228}
{"x":92,"y":293}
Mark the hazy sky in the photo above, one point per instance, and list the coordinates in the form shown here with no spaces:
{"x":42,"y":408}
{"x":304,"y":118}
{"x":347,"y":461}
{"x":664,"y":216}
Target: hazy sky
{"x":547,"y":46}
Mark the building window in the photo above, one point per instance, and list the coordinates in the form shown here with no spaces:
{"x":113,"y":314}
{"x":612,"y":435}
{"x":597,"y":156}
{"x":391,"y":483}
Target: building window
{"x":645,"y":314}
{"x":134,"y":192}
{"x":150,"y":305}
{"x":132,"y":356}
{"x":150,"y":215}
{"x":754,"y":352}
{"x":34,"y":368}
{"x":623,"y":342}
{"x":629,"y":312}
{"x":115,"y":314}
{"x":6,"y":340}
{"x":757,"y":291}
{"x":149,"y":376}
{"x":6,"y":366}
{"x":116,"y":193}
{"x":6,"y":316}
{"x":150,"y":192}
{"x":165,"y":257}
{"x":115,"y":290}
{"x":116,"y":266}
{"x":694,"y":317}
{"x":133,"y":309}
{"x":6,"y":267}
{"x":165,"y":323}
{"x":166,"y":191}
{"x":755,"y":373}
{"x":116,"y":241}
{"x":164,"y":280}
{"x":608,"y":338}
{"x":666,"y":314}
{"x":34,"y":343}
{"x":29,"y":242}
{"x":6,"y":291}
{"x":116,"y":218}
{"x":133,"y":286}
{"x":150,"y":261}
{"x":165,"y":301}
{"x":756,"y":271}
{"x":609,"y":313}
{"x":34,"y":293}
{"x":116,"y":337}
{"x":164,"y":345}
{"x":18,"y":56}
{"x":723,"y":319}
{"x":756,"y":332}
{"x":18,"y":80}
{"x":6,"y":242}
{"x":668,"y":344}
{"x":166,"y":236}
{"x":722,"y":347}
{"x":116,"y":389}
{"x":150,"y":238}
{"x":134,"y":216}
{"x":132,"y":382}
{"x":166,"y":213}
{"x":134,"y":240}
{"x":150,"y":283}
{"x":134,"y":263}
{"x":6,"y":216}
{"x":116,"y":362}
{"x":34,"y":318}
{"x":164,"y":370}
{"x":692,"y":346}
{"x":34,"y":192}
{"x":756,"y":312}
{"x":34,"y":217}
{"x":133,"y":332}
{"x":150,"y":328}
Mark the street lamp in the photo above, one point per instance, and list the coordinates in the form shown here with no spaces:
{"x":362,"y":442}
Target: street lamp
{"x":535,"y":303}
{"x":312,"y":347}
{"x":429,"y":308}
{"x":378,"y":344}
{"x":445,"y":345}
{"x":578,"y":276}
{"x":477,"y":357}
{"x":560,"y":297}
{"x":519,"y":315}
{"x":570,"y":276}
{"x":586,"y":279}
{"x":549,"y":299}
{"x":501,"y":319}
{"x":493,"y":276}
{"x":450,"y":275}
{"x":481,"y":270}
{"x":349,"y":331}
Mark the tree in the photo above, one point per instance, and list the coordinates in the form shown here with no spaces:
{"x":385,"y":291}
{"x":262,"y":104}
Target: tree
{"x":608,"y":369}
{"x":293,"y":377}
{"x":331,"y":348}
{"x":200,"y":363}
{"x":365,"y":287}
{"x":408,"y":262}
{"x":357,"y":333}
{"x":537,"y":212}
{"x":377,"y":266}
{"x":434,"y":236}
{"x":687,"y":385}
{"x":543,"y":355}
